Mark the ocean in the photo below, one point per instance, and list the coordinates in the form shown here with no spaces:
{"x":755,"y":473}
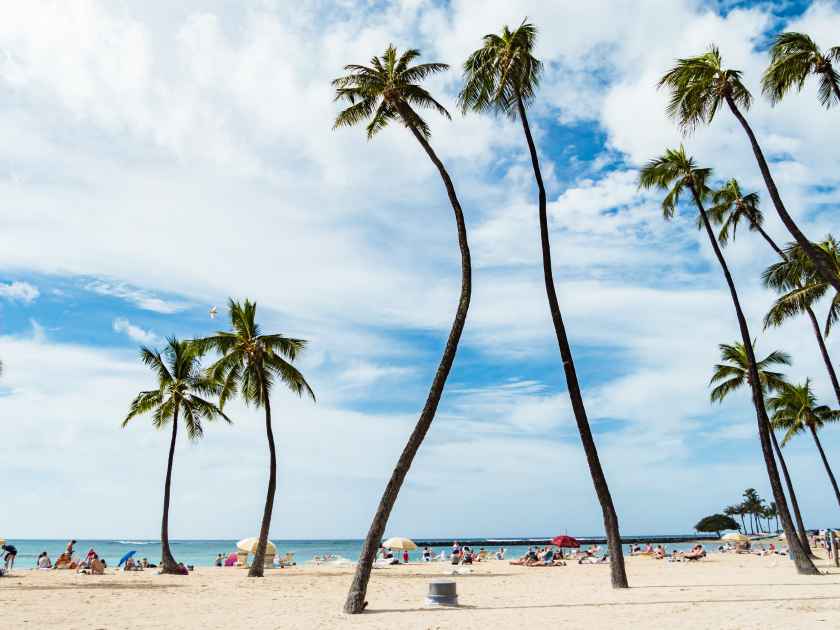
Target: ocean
{"x":204,"y":552}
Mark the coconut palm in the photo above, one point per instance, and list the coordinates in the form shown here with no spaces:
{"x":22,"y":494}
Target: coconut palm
{"x":773,"y":513}
{"x":801,"y":286}
{"x":388,"y":90}
{"x":795,"y":410}
{"x":677,"y":173}
{"x":699,"y":87}
{"x":250,"y":364}
{"x":502,"y":77}
{"x":732,"y":374}
{"x":178,"y":396}
{"x":793,"y":58}
{"x":734,"y":510}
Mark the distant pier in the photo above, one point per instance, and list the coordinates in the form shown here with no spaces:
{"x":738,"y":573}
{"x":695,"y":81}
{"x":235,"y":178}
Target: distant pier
{"x":583,"y":540}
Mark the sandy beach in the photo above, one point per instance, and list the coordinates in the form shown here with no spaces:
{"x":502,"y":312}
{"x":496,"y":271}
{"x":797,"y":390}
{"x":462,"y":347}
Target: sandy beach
{"x":723,"y":591}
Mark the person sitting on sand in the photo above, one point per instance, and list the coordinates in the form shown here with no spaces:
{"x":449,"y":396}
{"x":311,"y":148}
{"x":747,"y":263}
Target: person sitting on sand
{"x":129,"y":565}
{"x":97,"y":566}
{"x":219,"y":560}
{"x":500,"y":554}
{"x":659,"y":552}
{"x":44,"y":561}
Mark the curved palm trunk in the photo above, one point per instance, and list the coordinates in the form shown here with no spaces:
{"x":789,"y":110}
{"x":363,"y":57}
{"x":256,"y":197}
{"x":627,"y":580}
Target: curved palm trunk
{"x":355,"y":602}
{"x":825,"y":463}
{"x":832,"y":375}
{"x":743,"y":524}
{"x":257,"y":565}
{"x":168,"y":564}
{"x":797,"y":234}
{"x":794,"y":503}
{"x":599,"y":480}
{"x":800,"y":556}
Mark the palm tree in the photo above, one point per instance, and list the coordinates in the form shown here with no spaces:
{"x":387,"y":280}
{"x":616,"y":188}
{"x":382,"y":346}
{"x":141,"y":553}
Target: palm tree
{"x":502,"y":77}
{"x":179,"y":392}
{"x":250,"y":364}
{"x":731,"y":205}
{"x":773,"y":512}
{"x":732,"y":374}
{"x":699,"y":86}
{"x":752,"y":504}
{"x":678,"y":173}
{"x":386,"y":91}
{"x":795,"y":410}
{"x":795,"y":56}
{"x":801,"y":286}
{"x":734,"y":510}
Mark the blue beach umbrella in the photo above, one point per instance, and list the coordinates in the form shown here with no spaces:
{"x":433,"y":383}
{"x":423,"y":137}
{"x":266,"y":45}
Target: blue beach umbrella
{"x":130,"y":554}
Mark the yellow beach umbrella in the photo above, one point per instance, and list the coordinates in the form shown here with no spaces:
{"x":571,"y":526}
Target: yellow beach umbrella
{"x":250,"y":545}
{"x":400,"y":543}
{"x":736,"y":537}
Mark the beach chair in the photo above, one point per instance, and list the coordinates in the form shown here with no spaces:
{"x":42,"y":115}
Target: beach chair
{"x":242,"y":559}
{"x":288,"y":560}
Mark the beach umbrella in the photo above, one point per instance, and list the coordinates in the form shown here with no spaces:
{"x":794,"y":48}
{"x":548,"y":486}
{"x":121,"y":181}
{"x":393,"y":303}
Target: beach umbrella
{"x":250,"y":545}
{"x":130,"y":554}
{"x":735,"y":537}
{"x":2,"y":541}
{"x":565,"y":541}
{"x":400,"y":543}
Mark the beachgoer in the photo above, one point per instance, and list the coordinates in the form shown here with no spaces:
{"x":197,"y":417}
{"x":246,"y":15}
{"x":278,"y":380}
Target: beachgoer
{"x":69,"y":549}
{"x":219,"y":560}
{"x":44,"y":561}
{"x":10,"y":553}
{"x":500,"y":554}
{"x":427,"y":554}
{"x":405,"y":556}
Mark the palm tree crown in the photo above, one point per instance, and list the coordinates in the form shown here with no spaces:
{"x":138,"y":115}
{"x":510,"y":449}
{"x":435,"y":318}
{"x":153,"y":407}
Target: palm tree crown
{"x":698,"y":87}
{"x":801,"y":284}
{"x":733,"y":370}
{"x":387,"y":90}
{"x":502,"y":71}
{"x":795,"y":410}
{"x":795,"y":56}
{"x":251,"y":362}
{"x":675,"y":171}
{"x":180,"y":381}
{"x":731,"y":206}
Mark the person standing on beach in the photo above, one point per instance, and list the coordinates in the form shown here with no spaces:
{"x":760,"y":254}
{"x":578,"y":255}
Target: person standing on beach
{"x":69,"y":549}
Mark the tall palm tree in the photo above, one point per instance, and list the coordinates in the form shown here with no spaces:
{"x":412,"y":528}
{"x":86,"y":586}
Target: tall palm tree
{"x":752,"y":504}
{"x":677,"y":173}
{"x":773,"y":512}
{"x":388,"y":90}
{"x":699,"y":87}
{"x":250,"y":363}
{"x":793,"y":58}
{"x":801,"y":286}
{"x":732,"y":374}
{"x":180,"y":387}
{"x":795,"y":410}
{"x":502,"y":77}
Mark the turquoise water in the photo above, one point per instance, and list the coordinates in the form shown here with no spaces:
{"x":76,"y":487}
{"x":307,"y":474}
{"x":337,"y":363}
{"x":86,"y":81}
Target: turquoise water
{"x":204,"y":552}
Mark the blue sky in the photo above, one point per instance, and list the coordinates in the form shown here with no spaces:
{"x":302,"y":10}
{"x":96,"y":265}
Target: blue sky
{"x":169,"y":159}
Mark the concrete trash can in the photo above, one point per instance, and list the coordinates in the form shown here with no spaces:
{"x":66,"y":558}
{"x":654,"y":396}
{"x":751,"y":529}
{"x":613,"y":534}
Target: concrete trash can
{"x":442,"y":593}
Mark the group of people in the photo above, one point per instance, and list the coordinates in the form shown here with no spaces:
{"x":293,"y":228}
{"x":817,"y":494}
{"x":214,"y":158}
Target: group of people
{"x":541,"y":557}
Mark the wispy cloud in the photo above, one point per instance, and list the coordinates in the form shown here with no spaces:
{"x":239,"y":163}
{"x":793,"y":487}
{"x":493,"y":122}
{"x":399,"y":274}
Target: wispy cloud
{"x":122,"y":325}
{"x":19,"y":291}
{"x":140,"y":298}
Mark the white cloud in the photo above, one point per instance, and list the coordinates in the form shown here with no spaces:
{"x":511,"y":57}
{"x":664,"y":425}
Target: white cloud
{"x":146,"y":337}
{"x":19,"y":291}
{"x":138,"y":297}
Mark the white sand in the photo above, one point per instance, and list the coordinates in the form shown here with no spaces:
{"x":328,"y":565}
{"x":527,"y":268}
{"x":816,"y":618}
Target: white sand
{"x":725,"y":591}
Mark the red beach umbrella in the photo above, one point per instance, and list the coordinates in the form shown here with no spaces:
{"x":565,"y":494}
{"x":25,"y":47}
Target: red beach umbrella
{"x":565,"y":541}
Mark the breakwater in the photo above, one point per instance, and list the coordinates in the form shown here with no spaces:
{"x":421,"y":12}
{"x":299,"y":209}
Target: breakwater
{"x":583,"y":540}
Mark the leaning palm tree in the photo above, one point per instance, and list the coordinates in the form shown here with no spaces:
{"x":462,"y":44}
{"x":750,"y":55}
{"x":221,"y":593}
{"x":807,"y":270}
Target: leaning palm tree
{"x":180,"y":387}
{"x":730,"y":207}
{"x":733,"y":511}
{"x":793,"y":58}
{"x":677,"y":173}
{"x":795,"y":410}
{"x":250,"y":364}
{"x":502,"y":77}
{"x":732,"y":374}
{"x":801,"y":287}
{"x":388,"y":90}
{"x":699,"y":87}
